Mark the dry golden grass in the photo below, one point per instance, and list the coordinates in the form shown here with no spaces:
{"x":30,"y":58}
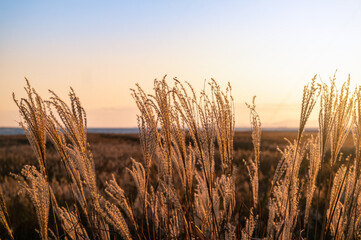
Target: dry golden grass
{"x":191,"y":176}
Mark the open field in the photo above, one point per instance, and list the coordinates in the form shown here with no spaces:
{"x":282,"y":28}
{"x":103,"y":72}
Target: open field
{"x":112,"y":154}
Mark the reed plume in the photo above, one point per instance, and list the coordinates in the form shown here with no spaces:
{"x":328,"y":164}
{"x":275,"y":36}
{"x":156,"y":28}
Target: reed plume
{"x":4,"y":215}
{"x":253,"y":164}
{"x":328,"y":104}
{"x":33,"y":183}
{"x":313,"y":169}
{"x":33,"y":121}
{"x":341,"y":122}
{"x":71,"y":225}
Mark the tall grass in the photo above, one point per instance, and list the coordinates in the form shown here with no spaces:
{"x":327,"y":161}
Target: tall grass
{"x":186,"y":179}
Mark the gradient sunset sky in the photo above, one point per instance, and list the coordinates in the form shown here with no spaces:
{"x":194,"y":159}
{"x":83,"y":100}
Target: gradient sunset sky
{"x":102,"y":48}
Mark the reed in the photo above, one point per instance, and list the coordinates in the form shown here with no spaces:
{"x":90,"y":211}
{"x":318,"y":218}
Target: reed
{"x":186,"y":179}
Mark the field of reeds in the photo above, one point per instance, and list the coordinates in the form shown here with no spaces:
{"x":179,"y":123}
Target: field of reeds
{"x":188,"y":175}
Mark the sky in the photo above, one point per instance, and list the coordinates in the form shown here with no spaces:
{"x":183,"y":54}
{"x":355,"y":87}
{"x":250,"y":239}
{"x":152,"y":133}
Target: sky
{"x":270,"y":49}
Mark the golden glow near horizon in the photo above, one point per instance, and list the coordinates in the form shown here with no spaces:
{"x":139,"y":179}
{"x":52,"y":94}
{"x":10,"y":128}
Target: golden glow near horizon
{"x":266,"y":48}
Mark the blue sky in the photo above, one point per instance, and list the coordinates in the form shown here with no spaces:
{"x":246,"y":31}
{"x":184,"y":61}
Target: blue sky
{"x":102,"y":48}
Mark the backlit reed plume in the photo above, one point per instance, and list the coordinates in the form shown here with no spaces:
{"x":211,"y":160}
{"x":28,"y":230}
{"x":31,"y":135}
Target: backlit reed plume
{"x":292,"y":158}
{"x":341,"y":122}
{"x":33,"y":183}
{"x":4,"y":216}
{"x":356,"y":128}
{"x":309,"y":99}
{"x":222,"y":109}
{"x":250,"y":225}
{"x":115,"y":218}
{"x":73,"y":125}
{"x":71,"y":225}
{"x":67,"y":128}
{"x":328,"y":106}
{"x":253,"y":170}
{"x":350,"y":219}
{"x":33,"y":121}
{"x":336,"y":206}
{"x":338,"y":133}
{"x":314,"y":164}
{"x":284,"y":200}
{"x":253,"y":164}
